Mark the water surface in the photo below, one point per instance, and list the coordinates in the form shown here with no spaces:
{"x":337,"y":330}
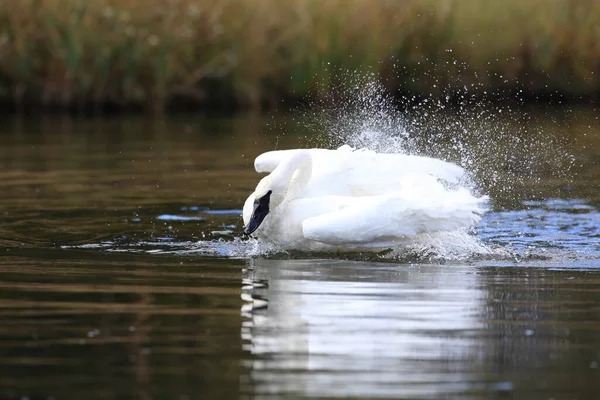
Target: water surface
{"x":123,"y":275}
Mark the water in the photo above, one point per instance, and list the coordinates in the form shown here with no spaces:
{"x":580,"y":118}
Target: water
{"x":123,"y":273}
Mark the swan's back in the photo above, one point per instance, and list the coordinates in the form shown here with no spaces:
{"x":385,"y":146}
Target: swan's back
{"x":267,"y":162}
{"x":352,"y":172}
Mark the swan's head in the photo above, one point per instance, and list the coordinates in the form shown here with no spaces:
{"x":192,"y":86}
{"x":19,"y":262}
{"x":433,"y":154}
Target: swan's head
{"x":269,"y":194}
{"x":274,"y":188}
{"x":260,"y":203}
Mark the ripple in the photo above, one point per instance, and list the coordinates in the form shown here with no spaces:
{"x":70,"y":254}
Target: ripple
{"x":171,"y":217}
{"x":554,"y":233}
{"x":439,"y":248}
{"x":545,"y":225}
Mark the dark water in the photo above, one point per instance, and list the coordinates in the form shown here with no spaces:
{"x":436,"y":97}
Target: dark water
{"x":121,"y":275}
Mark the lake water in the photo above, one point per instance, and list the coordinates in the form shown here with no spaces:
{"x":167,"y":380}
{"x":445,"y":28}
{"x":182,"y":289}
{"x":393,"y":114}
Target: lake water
{"x":123,"y":273}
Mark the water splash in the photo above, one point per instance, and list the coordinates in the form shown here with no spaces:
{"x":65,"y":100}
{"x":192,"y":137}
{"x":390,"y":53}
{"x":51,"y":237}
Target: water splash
{"x":504,"y":157}
{"x":367,"y":116}
{"x":503,"y":147}
{"x":360,"y":114}
{"x":449,"y":246}
{"x":438,"y":248}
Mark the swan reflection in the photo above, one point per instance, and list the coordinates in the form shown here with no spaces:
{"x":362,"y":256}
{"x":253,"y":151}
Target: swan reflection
{"x":334,"y":328}
{"x":330,"y":327}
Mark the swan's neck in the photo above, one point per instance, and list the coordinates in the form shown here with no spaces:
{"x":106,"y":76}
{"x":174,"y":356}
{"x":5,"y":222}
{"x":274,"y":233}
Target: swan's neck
{"x":292,"y":175}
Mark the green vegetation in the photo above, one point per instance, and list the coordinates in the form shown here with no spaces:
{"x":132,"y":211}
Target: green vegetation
{"x":67,"y":53}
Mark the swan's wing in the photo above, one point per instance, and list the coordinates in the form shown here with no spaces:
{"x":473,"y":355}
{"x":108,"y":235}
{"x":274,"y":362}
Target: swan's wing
{"x":367,"y":173}
{"x":381,"y":220}
{"x":349,"y":172}
{"x":267,"y":162}
{"x":425,"y":165}
{"x":392,"y":167}
{"x":387,"y":166}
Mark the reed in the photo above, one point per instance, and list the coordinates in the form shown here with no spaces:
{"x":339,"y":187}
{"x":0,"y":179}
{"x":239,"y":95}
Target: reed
{"x":236,"y":52}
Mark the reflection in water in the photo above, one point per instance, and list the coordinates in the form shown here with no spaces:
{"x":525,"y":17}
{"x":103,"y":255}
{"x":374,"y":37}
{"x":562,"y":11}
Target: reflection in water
{"x":341,"y":328}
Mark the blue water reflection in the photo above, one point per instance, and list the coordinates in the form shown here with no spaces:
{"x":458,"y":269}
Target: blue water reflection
{"x":571,"y":225}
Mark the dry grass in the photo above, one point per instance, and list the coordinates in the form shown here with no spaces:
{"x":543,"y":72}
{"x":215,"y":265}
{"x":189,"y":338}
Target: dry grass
{"x":66,"y":52}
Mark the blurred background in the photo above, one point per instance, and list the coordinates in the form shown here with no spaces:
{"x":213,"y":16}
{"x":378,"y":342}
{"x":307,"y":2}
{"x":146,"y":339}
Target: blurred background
{"x":157,"y":55}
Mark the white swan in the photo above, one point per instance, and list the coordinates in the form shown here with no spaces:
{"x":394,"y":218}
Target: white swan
{"x":346,"y":199}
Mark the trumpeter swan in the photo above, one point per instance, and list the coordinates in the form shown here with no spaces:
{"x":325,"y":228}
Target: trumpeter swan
{"x":345,"y":199}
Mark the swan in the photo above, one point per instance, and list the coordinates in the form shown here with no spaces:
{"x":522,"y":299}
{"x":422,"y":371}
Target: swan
{"x":355,"y":200}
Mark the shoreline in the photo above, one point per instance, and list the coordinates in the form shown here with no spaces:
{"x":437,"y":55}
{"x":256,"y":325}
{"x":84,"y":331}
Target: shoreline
{"x":235,"y":54}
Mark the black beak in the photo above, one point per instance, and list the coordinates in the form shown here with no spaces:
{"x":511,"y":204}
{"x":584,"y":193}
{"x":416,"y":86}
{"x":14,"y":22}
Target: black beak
{"x":261,"y":209}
